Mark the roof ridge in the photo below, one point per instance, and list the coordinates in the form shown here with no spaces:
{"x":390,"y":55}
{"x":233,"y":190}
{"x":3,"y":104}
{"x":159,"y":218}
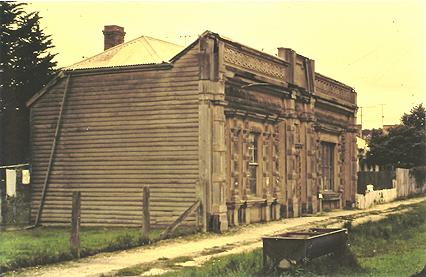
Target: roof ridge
{"x":116,"y":48}
{"x":151,"y":49}
{"x":152,"y":38}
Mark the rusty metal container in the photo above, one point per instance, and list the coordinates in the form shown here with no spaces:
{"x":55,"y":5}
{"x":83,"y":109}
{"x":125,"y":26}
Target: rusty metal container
{"x":303,"y":245}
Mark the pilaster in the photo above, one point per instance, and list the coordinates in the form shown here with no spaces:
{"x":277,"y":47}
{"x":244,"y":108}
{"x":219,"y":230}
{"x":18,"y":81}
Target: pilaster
{"x":212,"y":130}
{"x":311,"y":158}
{"x":219,"y":179}
{"x":291,"y":159}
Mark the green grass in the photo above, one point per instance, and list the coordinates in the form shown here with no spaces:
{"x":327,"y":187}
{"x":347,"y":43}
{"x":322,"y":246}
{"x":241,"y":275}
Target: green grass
{"x":394,"y":246}
{"x":132,"y":271}
{"x":245,"y":264}
{"x":46,"y":245}
{"x":181,"y":259}
{"x":162,"y":263}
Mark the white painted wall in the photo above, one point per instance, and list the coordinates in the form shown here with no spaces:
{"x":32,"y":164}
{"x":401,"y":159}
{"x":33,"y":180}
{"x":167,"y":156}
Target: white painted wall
{"x":375,"y":197}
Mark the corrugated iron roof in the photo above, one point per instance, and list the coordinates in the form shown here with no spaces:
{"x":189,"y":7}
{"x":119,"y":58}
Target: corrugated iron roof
{"x":142,"y":50}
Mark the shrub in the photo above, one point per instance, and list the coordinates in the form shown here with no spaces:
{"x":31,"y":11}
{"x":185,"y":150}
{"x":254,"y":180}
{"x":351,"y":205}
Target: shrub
{"x":419,"y":174}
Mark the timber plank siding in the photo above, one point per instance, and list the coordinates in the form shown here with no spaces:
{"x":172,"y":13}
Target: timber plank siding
{"x":119,"y":132}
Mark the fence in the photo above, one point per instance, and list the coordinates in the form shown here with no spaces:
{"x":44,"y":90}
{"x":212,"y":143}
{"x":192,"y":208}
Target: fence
{"x":379,"y":179}
{"x":375,"y":197}
{"x":406,"y":182}
{"x":15,"y":212}
{"x":14,"y":196}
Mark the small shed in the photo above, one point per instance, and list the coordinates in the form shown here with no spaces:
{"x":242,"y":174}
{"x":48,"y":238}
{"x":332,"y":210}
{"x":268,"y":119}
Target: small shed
{"x":265,"y":136}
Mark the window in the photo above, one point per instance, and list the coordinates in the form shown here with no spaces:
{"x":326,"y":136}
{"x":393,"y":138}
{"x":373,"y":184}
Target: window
{"x":327,"y":165}
{"x":253,"y":162}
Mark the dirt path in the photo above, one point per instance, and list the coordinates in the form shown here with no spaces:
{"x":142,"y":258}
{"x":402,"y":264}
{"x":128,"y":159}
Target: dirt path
{"x":204,"y":247}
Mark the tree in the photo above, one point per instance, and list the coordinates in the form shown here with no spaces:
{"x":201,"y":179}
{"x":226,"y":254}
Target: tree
{"x":26,"y":66}
{"x":375,"y":154}
{"x":401,"y":146}
{"x":416,"y":117}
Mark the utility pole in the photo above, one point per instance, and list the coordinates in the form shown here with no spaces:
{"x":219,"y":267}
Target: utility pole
{"x":184,"y":36}
{"x":382,"y":112}
{"x":365,"y":108}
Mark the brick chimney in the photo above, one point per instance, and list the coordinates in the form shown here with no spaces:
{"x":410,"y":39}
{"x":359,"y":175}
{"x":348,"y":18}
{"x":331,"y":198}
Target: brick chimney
{"x":113,"y":36}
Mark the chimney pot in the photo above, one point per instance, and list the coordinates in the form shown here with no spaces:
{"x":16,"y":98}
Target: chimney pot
{"x":113,"y":36}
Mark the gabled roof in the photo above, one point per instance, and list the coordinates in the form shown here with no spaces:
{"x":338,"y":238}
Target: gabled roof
{"x":142,"y":50}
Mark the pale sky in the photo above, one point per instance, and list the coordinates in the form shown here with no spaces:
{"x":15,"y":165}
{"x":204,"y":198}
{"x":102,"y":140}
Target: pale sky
{"x":376,"y":47}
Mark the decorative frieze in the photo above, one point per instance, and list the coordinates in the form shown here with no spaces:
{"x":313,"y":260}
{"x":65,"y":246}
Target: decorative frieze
{"x":251,"y":63}
{"x":335,"y":90}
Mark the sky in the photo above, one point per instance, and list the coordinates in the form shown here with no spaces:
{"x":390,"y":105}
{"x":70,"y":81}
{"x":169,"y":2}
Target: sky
{"x":376,"y":47}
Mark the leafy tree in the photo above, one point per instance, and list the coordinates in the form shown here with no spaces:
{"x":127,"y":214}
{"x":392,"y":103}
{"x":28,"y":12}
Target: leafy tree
{"x":416,"y":117}
{"x":26,"y":66}
{"x":401,"y":146}
{"x":377,"y":149}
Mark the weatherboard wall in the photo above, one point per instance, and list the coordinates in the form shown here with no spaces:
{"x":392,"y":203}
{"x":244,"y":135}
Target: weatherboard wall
{"x":121,"y":130}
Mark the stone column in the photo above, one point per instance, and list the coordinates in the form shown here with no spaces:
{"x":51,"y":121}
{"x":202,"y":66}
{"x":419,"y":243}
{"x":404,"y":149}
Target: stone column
{"x":266,"y":163}
{"x":245,"y":161}
{"x":352,"y":161}
{"x":235,"y":161}
{"x":212,"y":129}
{"x":293,"y":203}
{"x":311,"y":159}
{"x":219,"y":179}
{"x":276,"y":181}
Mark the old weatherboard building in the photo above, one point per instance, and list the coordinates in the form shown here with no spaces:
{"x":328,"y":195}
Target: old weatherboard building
{"x":264,"y":137}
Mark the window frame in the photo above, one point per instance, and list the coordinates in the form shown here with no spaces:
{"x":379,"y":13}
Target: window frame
{"x":328,"y":166}
{"x":253,"y":163}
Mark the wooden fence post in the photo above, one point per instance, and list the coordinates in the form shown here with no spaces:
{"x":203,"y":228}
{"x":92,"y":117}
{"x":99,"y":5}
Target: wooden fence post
{"x":178,"y":221}
{"x":146,"y":217}
{"x":200,"y":195}
{"x":75,"y":224}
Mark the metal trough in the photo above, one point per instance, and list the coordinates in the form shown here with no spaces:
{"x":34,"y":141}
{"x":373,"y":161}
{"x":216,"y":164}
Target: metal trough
{"x":303,"y":245}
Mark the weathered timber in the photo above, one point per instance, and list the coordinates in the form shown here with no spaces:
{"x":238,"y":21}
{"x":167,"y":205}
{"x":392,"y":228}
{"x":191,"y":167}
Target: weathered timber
{"x":75,"y":224}
{"x":160,"y":132}
{"x":88,"y":113}
{"x":146,"y":213}
{"x":52,"y":152}
{"x":179,"y":220}
{"x":130,"y":155}
{"x":128,"y":183}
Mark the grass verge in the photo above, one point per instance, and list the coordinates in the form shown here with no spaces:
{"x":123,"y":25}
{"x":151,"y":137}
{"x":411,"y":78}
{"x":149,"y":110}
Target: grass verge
{"x":47,"y":245}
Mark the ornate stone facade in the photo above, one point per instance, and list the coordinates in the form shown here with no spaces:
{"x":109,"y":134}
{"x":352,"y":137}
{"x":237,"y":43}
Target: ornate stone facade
{"x":288,"y":135}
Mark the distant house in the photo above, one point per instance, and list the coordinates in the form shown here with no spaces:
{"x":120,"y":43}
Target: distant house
{"x":386,"y":128}
{"x":265,"y":135}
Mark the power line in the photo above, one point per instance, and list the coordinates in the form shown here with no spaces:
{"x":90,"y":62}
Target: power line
{"x":374,"y":50}
{"x":389,"y":68}
{"x":367,"y":107}
{"x":184,"y":36}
